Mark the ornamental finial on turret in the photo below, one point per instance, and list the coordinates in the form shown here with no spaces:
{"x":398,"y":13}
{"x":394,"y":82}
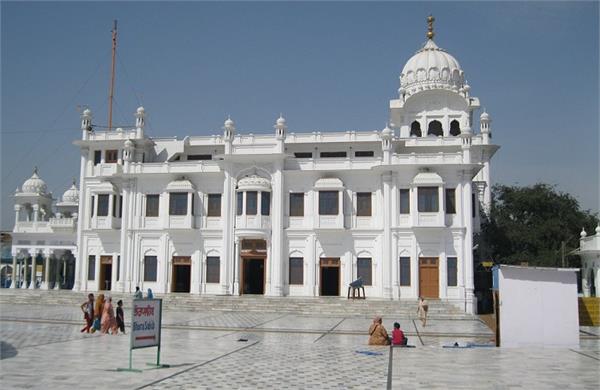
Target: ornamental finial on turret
{"x":430,"y":33}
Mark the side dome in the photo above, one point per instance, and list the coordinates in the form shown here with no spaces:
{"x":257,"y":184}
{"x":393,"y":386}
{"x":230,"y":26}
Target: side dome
{"x":431,"y":68}
{"x":34,"y":185}
{"x":71,"y":195}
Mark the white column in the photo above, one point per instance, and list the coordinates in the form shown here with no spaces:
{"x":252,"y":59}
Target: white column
{"x":13,"y":282}
{"x":57,"y":273}
{"x":277,"y":246}
{"x":127,"y":210}
{"x":46,"y":281}
{"x":386,"y":259}
{"x":36,"y":212}
{"x":33,"y":266}
{"x":226,"y":252}
{"x":17,"y":213}
{"x":310,"y":261}
{"x":25,"y":271}
{"x":414,"y":268}
{"x":413,"y":200}
{"x":470,"y":300}
{"x":236,"y":268}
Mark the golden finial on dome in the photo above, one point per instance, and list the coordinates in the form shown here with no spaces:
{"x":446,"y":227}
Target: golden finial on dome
{"x":430,"y":33}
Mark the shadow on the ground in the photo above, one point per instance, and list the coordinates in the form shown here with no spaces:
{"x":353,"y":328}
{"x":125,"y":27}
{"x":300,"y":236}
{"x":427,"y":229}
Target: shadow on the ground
{"x":7,"y":350}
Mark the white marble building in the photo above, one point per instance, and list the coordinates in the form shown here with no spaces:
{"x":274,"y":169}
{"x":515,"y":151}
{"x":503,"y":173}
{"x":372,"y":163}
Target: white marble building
{"x":589,"y":251}
{"x":44,"y":236}
{"x":294,"y":214}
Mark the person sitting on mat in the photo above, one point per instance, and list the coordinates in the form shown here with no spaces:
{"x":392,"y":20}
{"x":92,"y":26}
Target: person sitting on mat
{"x":377,"y":333}
{"x":398,"y":337}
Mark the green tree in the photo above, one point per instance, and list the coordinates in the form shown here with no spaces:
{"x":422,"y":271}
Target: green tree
{"x":529,"y":224}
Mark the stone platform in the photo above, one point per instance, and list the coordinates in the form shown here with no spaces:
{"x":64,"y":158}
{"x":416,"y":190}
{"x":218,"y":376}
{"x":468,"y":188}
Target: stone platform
{"x":41,"y":347}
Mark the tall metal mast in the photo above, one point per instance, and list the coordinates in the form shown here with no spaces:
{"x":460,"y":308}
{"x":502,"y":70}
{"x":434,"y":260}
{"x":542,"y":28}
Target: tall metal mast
{"x":112,"y":75}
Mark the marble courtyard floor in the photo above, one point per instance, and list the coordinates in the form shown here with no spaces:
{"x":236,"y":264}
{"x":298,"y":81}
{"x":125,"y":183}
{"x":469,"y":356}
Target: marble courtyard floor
{"x":41,"y":347}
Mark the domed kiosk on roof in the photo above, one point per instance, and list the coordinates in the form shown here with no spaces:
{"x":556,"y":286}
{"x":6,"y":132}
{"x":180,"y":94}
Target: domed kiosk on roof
{"x":431,"y":68}
{"x":34,"y":185}
{"x":71,"y":195}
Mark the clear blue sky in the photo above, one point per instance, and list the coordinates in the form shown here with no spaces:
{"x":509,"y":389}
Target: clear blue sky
{"x":326,"y":66}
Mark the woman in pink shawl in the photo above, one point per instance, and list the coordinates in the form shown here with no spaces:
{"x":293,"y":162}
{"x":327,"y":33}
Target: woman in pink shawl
{"x":108,"y":317}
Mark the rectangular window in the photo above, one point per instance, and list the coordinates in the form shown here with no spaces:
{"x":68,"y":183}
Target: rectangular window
{"x":364,"y":270}
{"x":303,"y":154}
{"x":328,"y":202}
{"x":405,"y":271}
{"x":265,"y":203}
{"x":214,"y":205}
{"x":428,"y":199}
{"x":97,"y":157}
{"x":239,"y":203}
{"x":118,"y":268}
{"x":91,"y":267}
{"x":195,"y":157}
{"x":452,"y":271}
{"x":213,"y":269}
{"x":296,"y":270}
{"x":103,"y":205}
{"x":251,"y":199}
{"x":473,"y":206}
{"x":364,"y":153}
{"x":152,"y":203}
{"x":111,"y":156}
{"x":150,"y":267}
{"x":297,"y":204}
{"x":332,"y":154}
{"x":363,"y":204}
{"x":405,"y":201}
{"x":93,"y":208}
{"x":450,"y":201}
{"x":178,"y":203}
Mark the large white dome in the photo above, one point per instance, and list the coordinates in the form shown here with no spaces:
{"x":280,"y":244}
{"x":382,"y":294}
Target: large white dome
{"x":71,"y":195}
{"x":431,"y":68}
{"x":34,"y":185}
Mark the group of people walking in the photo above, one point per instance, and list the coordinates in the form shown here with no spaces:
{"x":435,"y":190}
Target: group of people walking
{"x":378,"y":335}
{"x":100,"y":315}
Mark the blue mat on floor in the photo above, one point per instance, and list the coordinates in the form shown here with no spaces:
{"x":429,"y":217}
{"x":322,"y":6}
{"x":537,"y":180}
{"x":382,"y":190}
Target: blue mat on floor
{"x":369,"y":353}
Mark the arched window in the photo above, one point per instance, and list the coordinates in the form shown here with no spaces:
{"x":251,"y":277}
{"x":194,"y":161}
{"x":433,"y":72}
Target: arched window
{"x":454,"y":127}
{"x":415,"y":129}
{"x":435,"y":128}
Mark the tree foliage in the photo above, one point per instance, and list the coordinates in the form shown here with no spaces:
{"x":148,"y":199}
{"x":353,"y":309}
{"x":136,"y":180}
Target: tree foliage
{"x":529,"y":224}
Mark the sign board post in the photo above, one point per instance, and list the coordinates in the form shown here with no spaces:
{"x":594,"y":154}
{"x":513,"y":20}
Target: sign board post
{"x":146,"y":322}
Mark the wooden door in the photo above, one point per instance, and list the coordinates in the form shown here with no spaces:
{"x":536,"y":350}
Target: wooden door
{"x":429,"y":286}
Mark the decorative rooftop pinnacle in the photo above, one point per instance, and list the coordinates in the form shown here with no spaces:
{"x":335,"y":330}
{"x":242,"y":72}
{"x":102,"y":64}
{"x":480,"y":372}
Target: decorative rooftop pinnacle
{"x":430,"y":33}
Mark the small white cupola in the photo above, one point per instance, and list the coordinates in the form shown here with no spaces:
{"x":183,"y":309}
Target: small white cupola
{"x":86,"y":123}
{"x":583,"y":233}
{"x":484,"y":122}
{"x":280,"y":128}
{"x":387,"y":135}
{"x":140,"y":115}
{"x":228,"y":129}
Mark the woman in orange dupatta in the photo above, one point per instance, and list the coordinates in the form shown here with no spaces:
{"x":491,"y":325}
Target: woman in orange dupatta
{"x":109,"y":322}
{"x":377,"y":333}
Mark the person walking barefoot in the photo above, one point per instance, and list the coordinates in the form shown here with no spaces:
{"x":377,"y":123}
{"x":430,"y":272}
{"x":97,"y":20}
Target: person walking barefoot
{"x":88,"y":313}
{"x":422,"y":310}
